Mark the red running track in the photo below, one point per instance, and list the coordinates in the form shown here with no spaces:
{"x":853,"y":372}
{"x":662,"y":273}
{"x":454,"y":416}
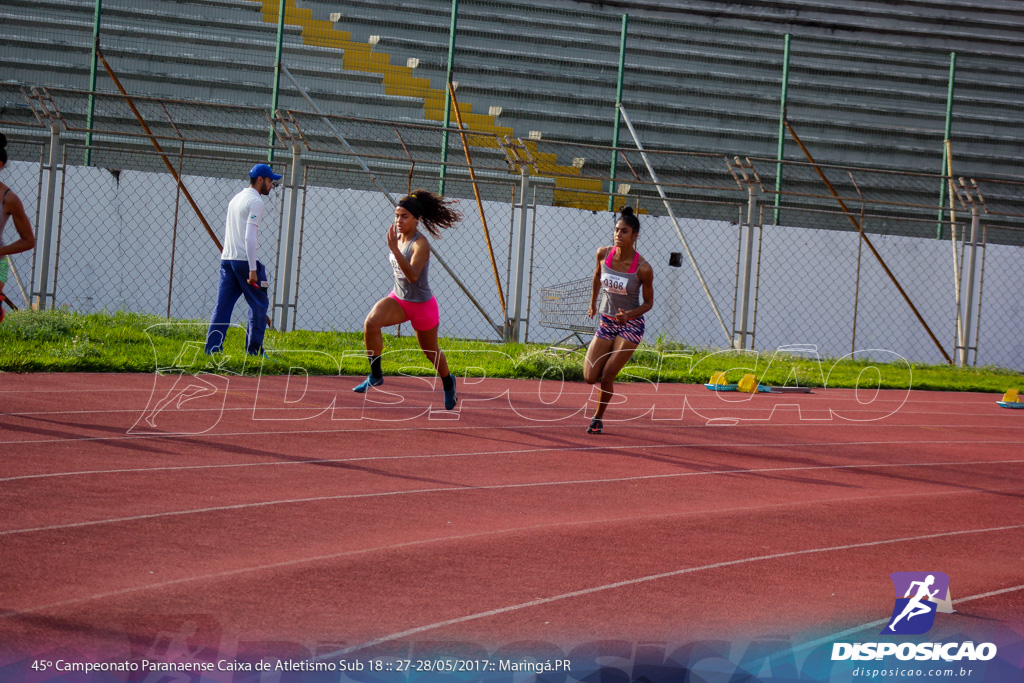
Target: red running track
{"x":254,"y":511}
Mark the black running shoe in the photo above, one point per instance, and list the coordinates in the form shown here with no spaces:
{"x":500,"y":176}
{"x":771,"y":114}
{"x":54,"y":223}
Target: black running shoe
{"x":451,"y":397}
{"x":596,"y":426}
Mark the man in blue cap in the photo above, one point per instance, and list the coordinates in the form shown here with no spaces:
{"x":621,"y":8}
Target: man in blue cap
{"x":241,"y":273}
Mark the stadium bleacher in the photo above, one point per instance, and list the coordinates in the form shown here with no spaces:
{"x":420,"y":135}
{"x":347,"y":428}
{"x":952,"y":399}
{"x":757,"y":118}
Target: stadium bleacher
{"x":867,"y":80}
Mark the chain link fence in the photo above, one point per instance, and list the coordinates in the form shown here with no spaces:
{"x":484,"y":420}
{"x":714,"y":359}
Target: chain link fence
{"x":125,"y":236}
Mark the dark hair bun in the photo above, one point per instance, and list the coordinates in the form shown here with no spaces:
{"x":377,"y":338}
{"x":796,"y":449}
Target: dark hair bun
{"x":3,"y":140}
{"x":627,"y":211}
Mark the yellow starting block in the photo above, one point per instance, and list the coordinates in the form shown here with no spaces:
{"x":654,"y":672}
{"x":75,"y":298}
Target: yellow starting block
{"x":719,"y":383}
{"x":1011,"y":399}
{"x":750,"y":385}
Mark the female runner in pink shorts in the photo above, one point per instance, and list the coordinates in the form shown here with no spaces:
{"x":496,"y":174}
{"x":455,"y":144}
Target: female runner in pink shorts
{"x":411,"y":298}
{"x":620,"y":275}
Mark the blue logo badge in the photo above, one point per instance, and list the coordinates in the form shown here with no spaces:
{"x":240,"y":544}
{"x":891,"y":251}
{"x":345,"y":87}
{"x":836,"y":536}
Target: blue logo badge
{"x":918,"y":597}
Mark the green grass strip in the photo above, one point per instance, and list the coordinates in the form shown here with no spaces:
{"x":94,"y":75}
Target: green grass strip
{"x":64,"y":341}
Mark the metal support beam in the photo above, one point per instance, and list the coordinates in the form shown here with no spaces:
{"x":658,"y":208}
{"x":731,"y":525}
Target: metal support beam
{"x":289,"y":250}
{"x":969,"y":277}
{"x":618,"y":102}
{"x":275,"y":93}
{"x":740,"y":338}
{"x":447,"y":102}
{"x":945,"y":146}
{"x":782,"y":128}
{"x":43,"y":288}
{"x":89,"y":123}
{"x":514,"y":330}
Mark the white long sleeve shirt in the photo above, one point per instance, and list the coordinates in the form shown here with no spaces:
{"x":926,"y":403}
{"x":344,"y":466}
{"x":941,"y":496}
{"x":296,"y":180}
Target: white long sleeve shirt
{"x":242,"y":227}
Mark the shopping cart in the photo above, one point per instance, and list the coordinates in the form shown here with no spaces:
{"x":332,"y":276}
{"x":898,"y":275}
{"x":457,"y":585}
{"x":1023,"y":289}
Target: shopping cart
{"x":564,"y":307}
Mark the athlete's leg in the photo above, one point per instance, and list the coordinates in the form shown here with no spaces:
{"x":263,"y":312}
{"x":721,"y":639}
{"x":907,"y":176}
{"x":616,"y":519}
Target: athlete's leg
{"x":622,"y":350}
{"x":428,"y":343}
{"x":597,"y":356}
{"x":384,"y":313}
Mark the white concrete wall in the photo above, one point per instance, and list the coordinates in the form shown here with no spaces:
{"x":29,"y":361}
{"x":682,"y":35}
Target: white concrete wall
{"x":115,"y":253}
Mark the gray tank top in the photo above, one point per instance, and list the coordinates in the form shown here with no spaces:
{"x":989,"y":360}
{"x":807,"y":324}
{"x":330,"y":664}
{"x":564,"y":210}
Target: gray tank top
{"x":618,"y":289}
{"x":418,"y":291}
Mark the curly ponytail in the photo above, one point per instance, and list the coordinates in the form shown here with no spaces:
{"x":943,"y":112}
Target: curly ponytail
{"x":629,"y":218}
{"x":433,"y":211}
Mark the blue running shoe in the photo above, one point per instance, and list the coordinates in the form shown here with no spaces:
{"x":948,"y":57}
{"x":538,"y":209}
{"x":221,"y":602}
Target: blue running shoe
{"x":451,"y":396}
{"x":367,"y":383}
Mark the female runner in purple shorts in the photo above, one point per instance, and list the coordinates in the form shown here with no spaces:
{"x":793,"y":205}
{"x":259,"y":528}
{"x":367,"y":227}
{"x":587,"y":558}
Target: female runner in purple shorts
{"x":411,"y":298}
{"x":620,"y":275}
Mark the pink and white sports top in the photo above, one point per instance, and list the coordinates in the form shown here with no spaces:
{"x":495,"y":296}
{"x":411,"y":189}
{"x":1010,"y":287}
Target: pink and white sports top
{"x":619,"y":290}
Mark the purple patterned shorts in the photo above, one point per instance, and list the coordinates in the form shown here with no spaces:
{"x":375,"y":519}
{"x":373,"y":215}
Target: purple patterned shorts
{"x":631,"y":330}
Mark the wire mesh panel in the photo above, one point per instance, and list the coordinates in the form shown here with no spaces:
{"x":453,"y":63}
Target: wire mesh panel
{"x":345,"y":267}
{"x":193,"y":289}
{"x":815,"y":279}
{"x":563,"y":307}
{"x":1001,"y":311}
{"x":807,"y":291}
{"x":122,"y":230}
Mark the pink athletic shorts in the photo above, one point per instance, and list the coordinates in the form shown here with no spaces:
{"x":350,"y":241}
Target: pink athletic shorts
{"x":422,"y":314}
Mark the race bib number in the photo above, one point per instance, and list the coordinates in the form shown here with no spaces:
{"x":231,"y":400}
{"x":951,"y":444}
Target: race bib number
{"x":394,"y":266}
{"x":614,"y":284}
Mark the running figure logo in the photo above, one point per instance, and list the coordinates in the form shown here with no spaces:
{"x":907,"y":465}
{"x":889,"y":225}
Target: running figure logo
{"x":919,"y":595}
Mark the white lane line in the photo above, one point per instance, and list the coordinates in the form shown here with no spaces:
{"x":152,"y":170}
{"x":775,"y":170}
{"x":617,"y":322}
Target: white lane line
{"x":450,"y":425}
{"x":488,"y":487}
{"x":523,"y":451}
{"x":645,"y":579}
{"x":745,"y":406}
{"x":442,"y":539}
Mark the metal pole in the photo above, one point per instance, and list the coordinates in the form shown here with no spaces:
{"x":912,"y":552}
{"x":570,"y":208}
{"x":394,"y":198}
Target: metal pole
{"x":969,"y":296}
{"x":957,"y":283}
{"x":618,"y":102}
{"x":782,"y":128}
{"x":479,"y":201}
{"x":945,"y":146}
{"x":92,"y":82}
{"x":679,"y":231}
{"x":44,"y":248}
{"x":747,"y":261}
{"x":289,"y":241}
{"x":529,"y":277}
{"x":447,"y":101}
{"x":174,"y":232}
{"x":517,"y":305}
{"x":277,"y":78}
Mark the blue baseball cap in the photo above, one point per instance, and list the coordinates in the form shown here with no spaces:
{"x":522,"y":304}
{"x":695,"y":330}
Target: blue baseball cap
{"x":263,"y":171}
